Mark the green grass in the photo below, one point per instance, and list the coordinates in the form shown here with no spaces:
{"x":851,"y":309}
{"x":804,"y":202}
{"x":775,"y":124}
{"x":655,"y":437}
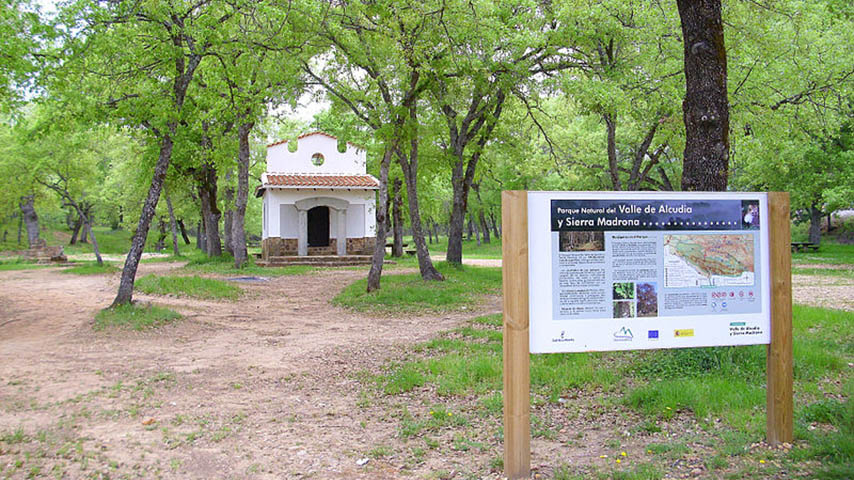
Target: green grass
{"x":20,"y":264}
{"x":843,"y":273}
{"x":828,"y":252}
{"x":91,"y":268}
{"x":188,"y":286}
{"x":470,"y":247}
{"x":134,"y":316}
{"x":408,"y":293}
{"x":170,"y":258}
{"x":727,"y":383}
{"x":224,"y":265}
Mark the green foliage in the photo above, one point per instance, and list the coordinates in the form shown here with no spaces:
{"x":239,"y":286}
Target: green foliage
{"x":188,"y":286}
{"x":624,"y":290}
{"x":135,"y":317}
{"x":408,"y":293}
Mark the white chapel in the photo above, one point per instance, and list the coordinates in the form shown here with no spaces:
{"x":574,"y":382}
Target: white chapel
{"x":317,"y":200}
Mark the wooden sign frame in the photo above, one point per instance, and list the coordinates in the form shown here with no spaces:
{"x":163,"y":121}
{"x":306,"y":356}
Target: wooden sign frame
{"x":517,"y":373}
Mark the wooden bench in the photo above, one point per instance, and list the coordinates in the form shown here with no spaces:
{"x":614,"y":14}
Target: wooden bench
{"x":410,"y":252}
{"x":804,"y":246}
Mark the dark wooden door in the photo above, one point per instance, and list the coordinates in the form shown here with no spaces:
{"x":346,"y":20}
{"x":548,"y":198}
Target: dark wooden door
{"x":318,"y":227}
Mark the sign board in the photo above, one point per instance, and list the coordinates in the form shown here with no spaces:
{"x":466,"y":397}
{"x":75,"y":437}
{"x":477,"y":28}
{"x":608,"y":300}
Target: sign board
{"x":637,"y":270}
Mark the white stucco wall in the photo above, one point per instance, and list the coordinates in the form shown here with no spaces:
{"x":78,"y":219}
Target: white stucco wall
{"x":280,"y":160}
{"x":282,"y":219}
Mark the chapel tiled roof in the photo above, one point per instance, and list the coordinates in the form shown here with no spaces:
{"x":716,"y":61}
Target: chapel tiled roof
{"x":361,"y":182}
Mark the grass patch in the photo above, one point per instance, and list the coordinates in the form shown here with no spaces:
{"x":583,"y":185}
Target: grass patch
{"x":832,"y":253}
{"x":192,"y":286}
{"x":470,"y":248}
{"x":833,"y":446}
{"x":825,"y":272}
{"x":224,"y":265}
{"x":463,"y":367}
{"x":165,"y":259}
{"x":408,"y":293}
{"x":134,"y":316}
{"x":91,"y":268}
{"x":20,"y":264}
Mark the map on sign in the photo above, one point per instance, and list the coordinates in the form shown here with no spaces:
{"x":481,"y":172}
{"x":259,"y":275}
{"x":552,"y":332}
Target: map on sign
{"x":699,"y":260}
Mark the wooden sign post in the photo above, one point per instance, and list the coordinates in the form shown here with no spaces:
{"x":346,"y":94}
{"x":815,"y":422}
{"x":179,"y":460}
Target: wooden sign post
{"x":517,"y":372}
{"x":517,"y":380}
{"x":779,"y":355}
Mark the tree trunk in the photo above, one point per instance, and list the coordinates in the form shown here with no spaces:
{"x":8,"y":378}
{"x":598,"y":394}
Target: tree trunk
{"x":210,"y":211}
{"x":705,"y":109}
{"x":200,"y":236}
{"x":87,"y":221}
{"x":183,"y":231}
{"x":484,"y":228}
{"x":436,"y":231}
{"x":160,"y":244}
{"x":125,"y":293}
{"x":173,"y":226}
{"x":376,"y":270}
{"x":78,"y":223}
{"x":227,"y":225}
{"x":430,"y":232}
{"x":20,"y":227}
{"x":84,"y":218}
{"x":238,"y":229}
{"x":228,"y":215}
{"x":815,"y":224}
{"x":470,"y":229}
{"x":410,"y":176}
{"x":31,"y":220}
{"x":474,"y":225}
{"x":397,"y":215}
{"x":495,"y":231}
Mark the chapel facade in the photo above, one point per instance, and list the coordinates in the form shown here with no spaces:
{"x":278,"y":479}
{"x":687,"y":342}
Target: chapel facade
{"x":317,"y":200}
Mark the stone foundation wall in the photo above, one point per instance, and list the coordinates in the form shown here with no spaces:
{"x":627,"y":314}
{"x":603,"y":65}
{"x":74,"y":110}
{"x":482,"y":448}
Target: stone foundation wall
{"x":361,"y":246}
{"x":278,"y":247}
{"x":281,"y":247}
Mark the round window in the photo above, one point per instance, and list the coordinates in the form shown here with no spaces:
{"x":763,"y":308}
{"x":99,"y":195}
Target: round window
{"x":317,"y":159}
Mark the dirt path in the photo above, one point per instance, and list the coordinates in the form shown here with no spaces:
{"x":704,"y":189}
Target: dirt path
{"x":266,"y":385}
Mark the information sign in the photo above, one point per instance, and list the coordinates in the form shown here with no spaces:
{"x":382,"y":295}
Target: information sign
{"x":637,"y":270}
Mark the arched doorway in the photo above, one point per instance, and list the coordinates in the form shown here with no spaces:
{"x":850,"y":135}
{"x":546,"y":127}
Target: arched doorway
{"x":318,"y":227}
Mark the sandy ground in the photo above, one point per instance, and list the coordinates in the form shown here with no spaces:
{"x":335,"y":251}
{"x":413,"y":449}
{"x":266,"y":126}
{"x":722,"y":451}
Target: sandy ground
{"x":270,"y":386}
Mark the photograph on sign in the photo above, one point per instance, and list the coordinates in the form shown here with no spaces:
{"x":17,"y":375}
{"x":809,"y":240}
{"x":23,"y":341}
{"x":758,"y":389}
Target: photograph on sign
{"x":625,"y":271}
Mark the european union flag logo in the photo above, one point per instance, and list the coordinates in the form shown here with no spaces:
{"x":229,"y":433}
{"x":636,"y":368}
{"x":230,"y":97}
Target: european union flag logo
{"x":653,"y":334}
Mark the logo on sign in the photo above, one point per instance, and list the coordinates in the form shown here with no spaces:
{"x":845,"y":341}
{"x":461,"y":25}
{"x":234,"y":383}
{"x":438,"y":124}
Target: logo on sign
{"x":623,"y":335}
{"x":563,"y":338}
{"x":684,"y":332}
{"x":652,"y":334}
